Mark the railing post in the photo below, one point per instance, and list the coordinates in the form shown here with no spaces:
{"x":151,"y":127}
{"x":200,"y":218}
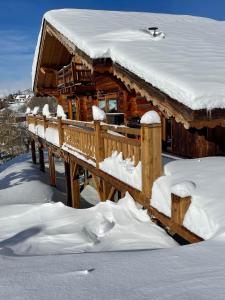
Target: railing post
{"x":33,"y":151}
{"x":179,"y":207}
{"x":60,"y":130}
{"x":150,"y":157}
{"x":41,"y":158}
{"x":51,"y":161}
{"x":99,"y":144}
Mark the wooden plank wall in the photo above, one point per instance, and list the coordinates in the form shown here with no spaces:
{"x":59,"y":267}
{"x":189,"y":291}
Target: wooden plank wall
{"x":192,"y":142}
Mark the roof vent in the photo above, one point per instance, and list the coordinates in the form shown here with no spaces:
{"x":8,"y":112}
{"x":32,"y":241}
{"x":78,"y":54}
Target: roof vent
{"x":153,"y":30}
{"x":154,"y":33}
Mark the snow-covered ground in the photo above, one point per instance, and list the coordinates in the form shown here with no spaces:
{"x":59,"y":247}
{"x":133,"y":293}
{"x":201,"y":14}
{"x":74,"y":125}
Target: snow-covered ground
{"x":187,"y":272}
{"x":37,"y":225}
{"x":187,"y":64}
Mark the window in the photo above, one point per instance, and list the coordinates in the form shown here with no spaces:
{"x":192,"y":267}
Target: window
{"x":108,"y":105}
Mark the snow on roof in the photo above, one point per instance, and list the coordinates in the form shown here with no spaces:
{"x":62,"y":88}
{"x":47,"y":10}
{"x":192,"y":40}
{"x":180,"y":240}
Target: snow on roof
{"x":188,"y":64}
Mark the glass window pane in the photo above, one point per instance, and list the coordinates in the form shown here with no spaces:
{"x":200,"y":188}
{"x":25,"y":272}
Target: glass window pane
{"x":112,"y":105}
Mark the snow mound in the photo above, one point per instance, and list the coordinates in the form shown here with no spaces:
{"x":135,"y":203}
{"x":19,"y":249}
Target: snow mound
{"x":150,"y":117}
{"x":184,"y":189}
{"x":53,"y":228}
{"x":98,"y":114}
{"x":123,"y":169}
{"x":28,"y":111}
{"x":60,"y":112}
{"x":35,"y":110}
{"x":204,"y":180}
{"x":45,"y":110}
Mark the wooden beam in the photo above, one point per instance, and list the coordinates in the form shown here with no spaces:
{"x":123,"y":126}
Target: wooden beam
{"x":33,"y":151}
{"x":99,"y":144}
{"x":68,"y":183}
{"x":75,"y":184}
{"x":179,"y":208}
{"x":41,"y":158}
{"x":111,"y":193}
{"x":150,"y":156}
{"x":52,"y":172}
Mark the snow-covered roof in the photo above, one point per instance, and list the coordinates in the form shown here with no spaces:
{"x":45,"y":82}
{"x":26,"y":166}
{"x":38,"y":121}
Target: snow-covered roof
{"x":188,"y":64}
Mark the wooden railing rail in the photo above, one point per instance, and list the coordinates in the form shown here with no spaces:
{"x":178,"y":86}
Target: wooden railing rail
{"x":97,"y":141}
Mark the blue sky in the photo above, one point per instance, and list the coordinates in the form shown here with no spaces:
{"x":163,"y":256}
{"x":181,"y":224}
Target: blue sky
{"x":20,"y":23}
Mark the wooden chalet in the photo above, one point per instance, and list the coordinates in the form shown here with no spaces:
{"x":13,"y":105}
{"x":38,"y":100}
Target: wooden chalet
{"x":79,"y":81}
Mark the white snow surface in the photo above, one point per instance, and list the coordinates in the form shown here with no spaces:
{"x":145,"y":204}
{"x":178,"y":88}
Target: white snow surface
{"x":187,"y":64}
{"x":35,"y":110}
{"x":150,"y":117}
{"x":98,"y":114}
{"x":45,"y":110}
{"x":204,"y":180}
{"x":183,"y":189}
{"x":60,"y":112}
{"x":44,"y":227}
{"x":191,"y":272}
{"x":123,"y":169}
{"x":28,"y":111}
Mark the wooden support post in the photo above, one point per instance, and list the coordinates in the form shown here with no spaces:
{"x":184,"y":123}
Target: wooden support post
{"x":150,"y":157}
{"x":75,"y":185}
{"x":70,"y":109}
{"x":33,"y":152}
{"x":179,"y":208}
{"x":68,"y":183}
{"x":41,"y":158}
{"x":99,"y":144}
{"x":60,"y":130}
{"x":52,"y":173}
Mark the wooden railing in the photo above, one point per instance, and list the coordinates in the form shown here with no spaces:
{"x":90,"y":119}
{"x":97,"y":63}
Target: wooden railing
{"x":97,"y":141}
{"x":72,"y":74}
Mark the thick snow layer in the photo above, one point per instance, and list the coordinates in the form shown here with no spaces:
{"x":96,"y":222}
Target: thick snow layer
{"x":60,"y":112}
{"x":31,"y":228}
{"x":53,"y":228}
{"x":206,"y":178}
{"x":123,"y":169}
{"x":52,"y":135}
{"x":35,"y":110}
{"x":98,"y":114}
{"x":150,"y":117}
{"x":28,"y":111}
{"x":187,"y":64}
{"x":45,"y":110}
{"x":183,"y":189}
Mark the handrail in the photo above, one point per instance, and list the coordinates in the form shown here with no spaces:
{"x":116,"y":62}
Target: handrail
{"x":97,"y":141}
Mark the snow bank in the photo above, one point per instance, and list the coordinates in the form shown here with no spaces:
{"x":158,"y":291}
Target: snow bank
{"x":176,"y":64}
{"x":98,"y":114}
{"x":150,"y":117}
{"x":53,"y":228}
{"x":204,"y":180}
{"x":122,"y":169}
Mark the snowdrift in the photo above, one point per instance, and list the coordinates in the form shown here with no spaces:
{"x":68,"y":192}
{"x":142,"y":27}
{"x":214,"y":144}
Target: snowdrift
{"x":34,"y":225}
{"x":205,"y":216}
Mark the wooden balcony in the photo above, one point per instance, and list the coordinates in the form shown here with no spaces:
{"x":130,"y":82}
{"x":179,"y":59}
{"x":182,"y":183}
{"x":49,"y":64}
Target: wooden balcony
{"x":88,"y":144}
{"x":74,"y":75}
